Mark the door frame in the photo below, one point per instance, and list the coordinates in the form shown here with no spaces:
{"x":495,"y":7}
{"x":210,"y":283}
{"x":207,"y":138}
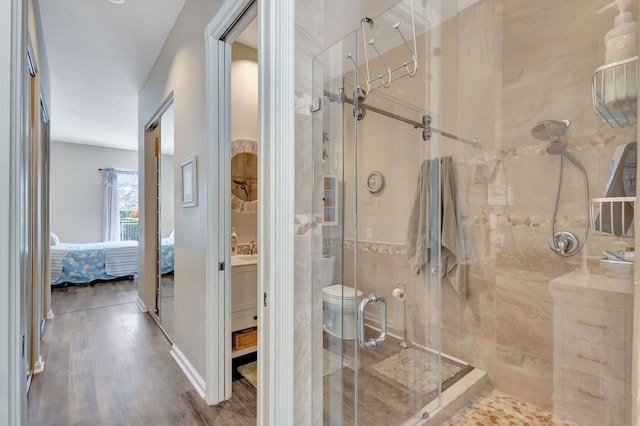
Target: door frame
{"x":13,"y":38}
{"x":149,"y":222}
{"x":230,"y":19}
{"x":276,"y":186}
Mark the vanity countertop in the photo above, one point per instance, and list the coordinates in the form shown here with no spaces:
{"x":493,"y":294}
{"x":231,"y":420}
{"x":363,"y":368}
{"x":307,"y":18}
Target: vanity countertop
{"x":581,"y":281}
{"x":244,"y":260}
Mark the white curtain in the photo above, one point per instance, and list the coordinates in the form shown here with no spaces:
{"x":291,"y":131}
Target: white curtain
{"x":111,"y":215}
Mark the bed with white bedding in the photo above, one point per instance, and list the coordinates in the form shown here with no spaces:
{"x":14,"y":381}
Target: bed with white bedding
{"x":85,"y":263}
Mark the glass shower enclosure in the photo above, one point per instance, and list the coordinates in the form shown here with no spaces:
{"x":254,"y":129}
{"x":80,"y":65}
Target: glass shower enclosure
{"x":382,"y":192}
{"x":457,"y":159}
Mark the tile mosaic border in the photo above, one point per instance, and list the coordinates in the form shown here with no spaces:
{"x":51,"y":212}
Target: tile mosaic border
{"x":396,"y":249}
{"x":576,"y":145}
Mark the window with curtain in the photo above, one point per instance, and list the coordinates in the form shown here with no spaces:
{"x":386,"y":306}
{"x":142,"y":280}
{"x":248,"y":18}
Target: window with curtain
{"x":128,"y":205}
{"x":120,"y":205}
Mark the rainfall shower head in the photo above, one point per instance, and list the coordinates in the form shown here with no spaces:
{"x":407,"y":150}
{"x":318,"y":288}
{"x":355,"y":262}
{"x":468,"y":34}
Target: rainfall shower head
{"x":550,"y":130}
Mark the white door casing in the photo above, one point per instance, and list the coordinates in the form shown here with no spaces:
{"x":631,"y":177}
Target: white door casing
{"x":13,"y":124}
{"x":275,"y":209}
{"x":218,"y":38}
{"x":276,"y":186}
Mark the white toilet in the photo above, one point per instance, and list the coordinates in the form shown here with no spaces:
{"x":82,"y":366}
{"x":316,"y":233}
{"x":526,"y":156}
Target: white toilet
{"x":339,"y":303}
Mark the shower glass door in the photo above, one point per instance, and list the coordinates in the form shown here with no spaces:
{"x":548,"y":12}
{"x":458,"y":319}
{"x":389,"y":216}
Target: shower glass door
{"x":376,"y":338}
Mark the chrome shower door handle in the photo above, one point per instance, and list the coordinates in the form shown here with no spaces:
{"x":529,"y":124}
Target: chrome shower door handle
{"x":373,"y":342}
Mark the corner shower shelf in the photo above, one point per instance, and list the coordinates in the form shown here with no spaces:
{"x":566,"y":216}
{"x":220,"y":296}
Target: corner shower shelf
{"x":612,"y":216}
{"x":615,"y":90}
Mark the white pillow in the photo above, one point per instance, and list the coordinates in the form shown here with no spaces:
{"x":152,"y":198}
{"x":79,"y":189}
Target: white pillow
{"x":54,"y":239}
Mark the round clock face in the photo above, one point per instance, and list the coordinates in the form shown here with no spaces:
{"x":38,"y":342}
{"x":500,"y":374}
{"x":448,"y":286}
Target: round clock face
{"x":375,"y":182}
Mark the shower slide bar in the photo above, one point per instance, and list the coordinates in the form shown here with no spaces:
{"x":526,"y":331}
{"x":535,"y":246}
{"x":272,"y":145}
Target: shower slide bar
{"x":427,"y":129}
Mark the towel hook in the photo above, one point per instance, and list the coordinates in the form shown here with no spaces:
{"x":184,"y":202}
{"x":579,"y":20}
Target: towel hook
{"x":387,"y":77}
{"x":372,"y":43}
{"x":366,"y":22}
{"x":414,"y":58}
{"x":366,"y":77}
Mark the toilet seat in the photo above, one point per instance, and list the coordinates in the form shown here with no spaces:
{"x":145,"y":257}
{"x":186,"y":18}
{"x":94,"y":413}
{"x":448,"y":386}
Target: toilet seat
{"x":340,"y":295}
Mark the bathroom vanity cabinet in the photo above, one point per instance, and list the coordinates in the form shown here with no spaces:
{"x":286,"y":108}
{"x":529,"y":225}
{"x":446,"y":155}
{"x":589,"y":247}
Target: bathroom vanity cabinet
{"x":244,"y":306}
{"x":592,"y":326}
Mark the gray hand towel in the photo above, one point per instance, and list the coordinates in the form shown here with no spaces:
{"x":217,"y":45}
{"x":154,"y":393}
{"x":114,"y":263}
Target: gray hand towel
{"x":451,"y":233}
{"x":418,"y":238}
{"x":423,"y":222}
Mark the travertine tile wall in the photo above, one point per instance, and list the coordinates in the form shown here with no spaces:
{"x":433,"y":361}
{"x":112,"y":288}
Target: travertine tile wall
{"x":541,"y":63}
{"x":308,"y":43}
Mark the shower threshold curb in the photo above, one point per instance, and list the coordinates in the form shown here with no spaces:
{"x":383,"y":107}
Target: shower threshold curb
{"x":452,"y":400}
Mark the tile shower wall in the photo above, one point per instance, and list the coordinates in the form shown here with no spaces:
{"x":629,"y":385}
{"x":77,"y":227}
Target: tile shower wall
{"x":521,"y":62}
{"x":505,"y":66}
{"x":308,"y":316}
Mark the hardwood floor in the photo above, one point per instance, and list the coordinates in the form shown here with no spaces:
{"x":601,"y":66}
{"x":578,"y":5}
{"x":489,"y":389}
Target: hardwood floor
{"x":90,"y":296}
{"x":107,"y":363}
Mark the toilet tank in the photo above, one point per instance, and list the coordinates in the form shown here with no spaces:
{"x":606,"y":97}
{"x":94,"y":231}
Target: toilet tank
{"x":327,"y":270}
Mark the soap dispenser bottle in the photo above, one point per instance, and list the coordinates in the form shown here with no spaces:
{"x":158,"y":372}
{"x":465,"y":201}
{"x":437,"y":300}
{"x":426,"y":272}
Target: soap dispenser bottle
{"x":234,"y":242}
{"x":621,"y":43}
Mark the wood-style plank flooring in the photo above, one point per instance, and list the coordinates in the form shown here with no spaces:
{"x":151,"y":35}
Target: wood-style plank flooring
{"x":107,"y":363}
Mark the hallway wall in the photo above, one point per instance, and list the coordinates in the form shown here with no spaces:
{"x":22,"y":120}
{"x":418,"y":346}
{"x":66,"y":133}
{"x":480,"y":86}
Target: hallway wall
{"x":179,"y":69}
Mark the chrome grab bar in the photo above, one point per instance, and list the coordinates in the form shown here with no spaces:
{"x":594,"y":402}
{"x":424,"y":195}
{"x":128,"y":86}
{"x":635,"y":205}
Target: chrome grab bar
{"x":373,"y":342}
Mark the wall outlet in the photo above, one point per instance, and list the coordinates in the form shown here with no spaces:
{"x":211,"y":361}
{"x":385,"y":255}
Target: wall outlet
{"x":369,"y":234}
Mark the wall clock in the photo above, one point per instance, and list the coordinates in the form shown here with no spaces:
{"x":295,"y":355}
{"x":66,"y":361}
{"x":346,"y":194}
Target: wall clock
{"x":375,"y":182}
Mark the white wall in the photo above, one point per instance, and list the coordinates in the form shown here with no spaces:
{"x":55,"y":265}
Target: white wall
{"x":179,"y":69}
{"x":244,"y":121}
{"x":77,"y":193}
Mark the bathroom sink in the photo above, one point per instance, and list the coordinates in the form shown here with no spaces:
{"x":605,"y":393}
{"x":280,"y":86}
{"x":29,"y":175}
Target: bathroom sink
{"x":248,"y":257}
{"x":244,"y":259}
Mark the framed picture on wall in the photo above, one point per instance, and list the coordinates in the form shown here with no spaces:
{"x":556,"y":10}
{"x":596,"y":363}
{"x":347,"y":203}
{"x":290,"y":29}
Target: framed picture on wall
{"x":189,"y":171}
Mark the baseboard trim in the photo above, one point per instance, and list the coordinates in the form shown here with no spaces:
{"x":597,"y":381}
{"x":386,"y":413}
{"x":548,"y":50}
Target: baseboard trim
{"x":188,"y":370}
{"x":141,"y":305}
{"x":50,"y":314}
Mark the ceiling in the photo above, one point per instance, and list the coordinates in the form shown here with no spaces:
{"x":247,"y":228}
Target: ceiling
{"x":100,"y":54}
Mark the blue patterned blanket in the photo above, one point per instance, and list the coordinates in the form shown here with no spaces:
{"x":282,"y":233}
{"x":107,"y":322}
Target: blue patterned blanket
{"x":84,"y":263}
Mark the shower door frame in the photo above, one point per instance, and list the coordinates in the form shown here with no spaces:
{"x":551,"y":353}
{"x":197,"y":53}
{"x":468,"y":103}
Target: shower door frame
{"x":431,"y":151}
